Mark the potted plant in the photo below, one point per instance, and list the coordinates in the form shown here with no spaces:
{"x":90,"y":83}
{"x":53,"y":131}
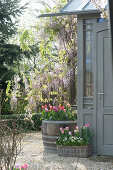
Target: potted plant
{"x":76,"y":143}
{"x":52,"y":119}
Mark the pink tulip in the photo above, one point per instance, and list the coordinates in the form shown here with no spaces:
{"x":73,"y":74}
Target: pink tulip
{"x":64,"y":110}
{"x":77,"y":127}
{"x":68,"y":105}
{"x":46,"y":109}
{"x":62,"y":107}
{"x":59,"y":107}
{"x":61,"y":128}
{"x":25,"y":166}
{"x":42,"y":107}
{"x":55,"y":108}
{"x":87,"y":125}
{"x":67,"y":128}
{"x":62,"y":131}
{"x":22,"y":167}
{"x":50,"y":107}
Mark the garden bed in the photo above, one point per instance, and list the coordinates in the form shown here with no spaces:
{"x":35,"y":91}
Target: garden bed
{"x":75,"y":151}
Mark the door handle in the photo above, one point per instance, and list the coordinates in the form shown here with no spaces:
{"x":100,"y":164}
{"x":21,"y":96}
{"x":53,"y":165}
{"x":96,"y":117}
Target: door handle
{"x":101,"y":93}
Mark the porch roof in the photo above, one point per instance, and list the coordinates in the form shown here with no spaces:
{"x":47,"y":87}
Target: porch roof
{"x":76,"y":7}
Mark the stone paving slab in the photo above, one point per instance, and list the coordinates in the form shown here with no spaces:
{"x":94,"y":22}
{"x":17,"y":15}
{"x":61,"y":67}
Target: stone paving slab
{"x":33,"y":154}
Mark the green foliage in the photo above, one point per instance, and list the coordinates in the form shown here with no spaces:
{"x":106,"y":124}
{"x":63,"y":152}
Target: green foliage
{"x":67,"y":139}
{"x":15,"y":97}
{"x":76,"y":138}
{"x":44,"y":85}
{"x":86,"y":134}
{"x":8,"y":90}
{"x":36,"y":117}
{"x":20,"y":109}
{"x":60,"y":113}
{"x":14,"y":116}
{"x":45,"y":80}
{"x":6,"y":108}
{"x":26,"y":39}
{"x":63,"y":30}
{"x":10,"y":55}
{"x":9,"y":12}
{"x":5,"y":104}
{"x":19,"y":120}
{"x":25,"y":124}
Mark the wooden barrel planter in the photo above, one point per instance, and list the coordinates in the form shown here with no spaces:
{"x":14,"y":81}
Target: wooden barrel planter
{"x":50,"y":132}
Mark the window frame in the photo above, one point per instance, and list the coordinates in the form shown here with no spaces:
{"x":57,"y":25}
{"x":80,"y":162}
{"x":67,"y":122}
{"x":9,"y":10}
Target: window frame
{"x":85,"y":24}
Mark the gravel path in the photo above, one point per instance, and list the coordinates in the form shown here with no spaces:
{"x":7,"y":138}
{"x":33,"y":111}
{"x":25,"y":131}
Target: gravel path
{"x":33,"y":154}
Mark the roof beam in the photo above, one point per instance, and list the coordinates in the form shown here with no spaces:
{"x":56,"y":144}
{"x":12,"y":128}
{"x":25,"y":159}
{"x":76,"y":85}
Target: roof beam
{"x":69,"y":13}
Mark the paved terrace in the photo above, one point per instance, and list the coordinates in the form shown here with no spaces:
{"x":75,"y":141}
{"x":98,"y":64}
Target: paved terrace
{"x":33,"y":154}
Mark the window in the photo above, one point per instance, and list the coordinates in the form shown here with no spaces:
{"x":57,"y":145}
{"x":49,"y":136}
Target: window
{"x":88,"y":71}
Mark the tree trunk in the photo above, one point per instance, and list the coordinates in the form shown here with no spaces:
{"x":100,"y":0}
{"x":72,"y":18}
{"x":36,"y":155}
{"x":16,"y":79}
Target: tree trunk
{"x":1,"y":102}
{"x":73,"y":87}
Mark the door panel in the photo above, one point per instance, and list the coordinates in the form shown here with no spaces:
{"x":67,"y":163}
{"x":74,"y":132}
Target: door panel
{"x":105,"y":95}
{"x":108,"y":129}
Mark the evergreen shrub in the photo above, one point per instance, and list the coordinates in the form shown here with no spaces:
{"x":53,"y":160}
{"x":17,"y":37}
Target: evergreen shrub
{"x":23,"y":123}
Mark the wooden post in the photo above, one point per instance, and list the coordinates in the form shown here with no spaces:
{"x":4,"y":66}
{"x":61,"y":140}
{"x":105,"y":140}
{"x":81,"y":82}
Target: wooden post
{"x":111,"y":23}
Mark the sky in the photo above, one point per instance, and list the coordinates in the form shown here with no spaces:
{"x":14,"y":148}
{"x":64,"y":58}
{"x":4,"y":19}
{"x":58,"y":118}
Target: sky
{"x":29,"y":17}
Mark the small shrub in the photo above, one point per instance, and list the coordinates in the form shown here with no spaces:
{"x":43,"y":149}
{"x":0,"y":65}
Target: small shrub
{"x":14,"y":116}
{"x":25,"y":124}
{"x":10,"y":144}
{"x":6,"y":108}
{"x":37,"y":121}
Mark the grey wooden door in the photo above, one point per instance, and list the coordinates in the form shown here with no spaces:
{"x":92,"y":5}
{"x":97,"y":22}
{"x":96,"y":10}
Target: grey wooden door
{"x":104,"y":94}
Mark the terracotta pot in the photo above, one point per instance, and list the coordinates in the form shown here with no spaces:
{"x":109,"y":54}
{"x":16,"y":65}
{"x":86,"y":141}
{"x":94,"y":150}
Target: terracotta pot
{"x":75,"y":151}
{"x":51,"y":131}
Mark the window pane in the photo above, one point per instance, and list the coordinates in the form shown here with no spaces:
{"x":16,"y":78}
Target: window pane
{"x":88,"y":21}
{"x":88,"y":71}
{"x":88,"y":26}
